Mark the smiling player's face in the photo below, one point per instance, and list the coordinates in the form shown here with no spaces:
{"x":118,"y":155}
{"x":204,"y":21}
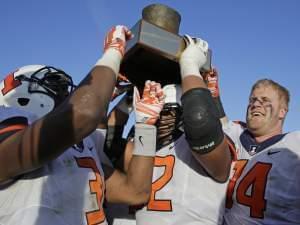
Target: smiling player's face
{"x":265,"y":111}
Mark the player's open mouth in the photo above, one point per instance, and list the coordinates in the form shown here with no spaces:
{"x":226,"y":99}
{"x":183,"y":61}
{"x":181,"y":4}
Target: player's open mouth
{"x":254,"y":114}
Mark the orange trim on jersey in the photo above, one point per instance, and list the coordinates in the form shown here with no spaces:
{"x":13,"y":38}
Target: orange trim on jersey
{"x":232,"y":148}
{"x":164,"y":205}
{"x":256,"y":181}
{"x":97,"y":188}
{"x":15,"y":127}
{"x":238,"y":168}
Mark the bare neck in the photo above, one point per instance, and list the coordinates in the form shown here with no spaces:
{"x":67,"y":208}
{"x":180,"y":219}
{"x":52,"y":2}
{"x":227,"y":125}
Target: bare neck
{"x":261,"y":138}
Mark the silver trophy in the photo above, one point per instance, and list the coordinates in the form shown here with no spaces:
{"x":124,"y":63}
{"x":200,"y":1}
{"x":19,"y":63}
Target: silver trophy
{"x":154,"y":51}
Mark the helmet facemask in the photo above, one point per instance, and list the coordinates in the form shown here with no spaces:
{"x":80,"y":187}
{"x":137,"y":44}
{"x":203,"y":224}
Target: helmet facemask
{"x":55,"y":83}
{"x":169,"y":125}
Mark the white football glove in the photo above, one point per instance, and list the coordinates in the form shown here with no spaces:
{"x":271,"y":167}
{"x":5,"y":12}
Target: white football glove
{"x":114,"y":47}
{"x":193,"y":57}
{"x":116,"y":38}
{"x":148,"y":108}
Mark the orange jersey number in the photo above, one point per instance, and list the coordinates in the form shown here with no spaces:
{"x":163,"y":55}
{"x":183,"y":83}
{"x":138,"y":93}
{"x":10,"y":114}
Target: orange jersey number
{"x":162,"y":204}
{"x":96,"y":187}
{"x":256,"y":178}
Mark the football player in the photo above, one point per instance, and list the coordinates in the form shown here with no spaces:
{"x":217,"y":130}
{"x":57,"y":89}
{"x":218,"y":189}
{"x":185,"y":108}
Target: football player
{"x":192,"y":159}
{"x":264,"y":182}
{"x":51,"y":149}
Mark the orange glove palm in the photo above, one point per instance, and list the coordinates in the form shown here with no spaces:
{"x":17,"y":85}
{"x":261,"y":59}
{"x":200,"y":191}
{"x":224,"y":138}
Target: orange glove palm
{"x":116,"y":38}
{"x":148,"y":108}
{"x":212,"y":81}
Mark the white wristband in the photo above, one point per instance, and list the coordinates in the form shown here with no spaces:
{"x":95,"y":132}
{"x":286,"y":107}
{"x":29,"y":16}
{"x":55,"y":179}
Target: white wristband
{"x":144,"y":140}
{"x":112,"y":59}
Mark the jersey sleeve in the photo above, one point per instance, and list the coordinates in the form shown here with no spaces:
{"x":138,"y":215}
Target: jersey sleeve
{"x":11,"y":126}
{"x":13,"y":120}
{"x":233,"y":130}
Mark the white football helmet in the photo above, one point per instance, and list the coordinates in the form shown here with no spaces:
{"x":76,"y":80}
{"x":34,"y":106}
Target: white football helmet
{"x":35,"y":88}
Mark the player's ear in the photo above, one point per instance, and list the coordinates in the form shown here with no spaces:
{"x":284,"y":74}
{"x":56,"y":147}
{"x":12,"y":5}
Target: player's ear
{"x":282,"y":112}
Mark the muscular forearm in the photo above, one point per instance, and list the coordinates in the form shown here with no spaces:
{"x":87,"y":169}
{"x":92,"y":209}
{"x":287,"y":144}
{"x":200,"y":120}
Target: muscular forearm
{"x":90,"y":101}
{"x":217,"y":162}
{"x":191,"y":82}
{"x":203,"y":129}
{"x":73,"y":120}
{"x":79,"y":114}
{"x":139,"y":178}
{"x":134,"y":187}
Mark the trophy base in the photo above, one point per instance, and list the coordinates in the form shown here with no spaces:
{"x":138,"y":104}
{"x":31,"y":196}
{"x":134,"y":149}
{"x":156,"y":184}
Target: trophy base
{"x":145,"y":65}
{"x":153,"y":54}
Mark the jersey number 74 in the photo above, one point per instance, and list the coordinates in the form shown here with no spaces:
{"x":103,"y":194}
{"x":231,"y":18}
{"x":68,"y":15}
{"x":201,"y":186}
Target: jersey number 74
{"x":256,"y":179}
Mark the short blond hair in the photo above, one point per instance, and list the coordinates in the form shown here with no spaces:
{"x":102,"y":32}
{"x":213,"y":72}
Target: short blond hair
{"x":283,"y":92}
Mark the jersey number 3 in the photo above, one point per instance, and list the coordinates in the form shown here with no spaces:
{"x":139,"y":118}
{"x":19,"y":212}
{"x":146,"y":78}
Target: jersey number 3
{"x":96,"y":187}
{"x":256,"y":178}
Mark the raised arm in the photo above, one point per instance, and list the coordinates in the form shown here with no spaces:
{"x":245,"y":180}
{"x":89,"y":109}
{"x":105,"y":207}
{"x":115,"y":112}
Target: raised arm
{"x":211,"y":79}
{"x":134,"y":187}
{"x":75,"y":118}
{"x":202,"y":126}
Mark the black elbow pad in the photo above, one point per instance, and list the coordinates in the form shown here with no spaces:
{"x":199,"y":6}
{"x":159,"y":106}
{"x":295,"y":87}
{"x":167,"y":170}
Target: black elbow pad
{"x":202,"y":127}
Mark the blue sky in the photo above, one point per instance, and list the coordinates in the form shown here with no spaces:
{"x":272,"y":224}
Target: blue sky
{"x":250,"y":39}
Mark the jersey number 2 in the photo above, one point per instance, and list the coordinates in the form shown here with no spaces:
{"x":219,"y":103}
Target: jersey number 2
{"x":255,"y":178}
{"x":162,"y":204}
{"x":96,"y":187}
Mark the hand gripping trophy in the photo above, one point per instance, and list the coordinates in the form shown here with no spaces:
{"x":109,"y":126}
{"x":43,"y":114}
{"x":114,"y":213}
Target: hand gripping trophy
{"x":154,"y":51}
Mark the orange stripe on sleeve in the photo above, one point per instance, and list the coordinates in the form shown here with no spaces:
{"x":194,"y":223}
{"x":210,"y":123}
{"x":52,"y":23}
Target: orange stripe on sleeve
{"x":231,"y":148}
{"x":12,"y":128}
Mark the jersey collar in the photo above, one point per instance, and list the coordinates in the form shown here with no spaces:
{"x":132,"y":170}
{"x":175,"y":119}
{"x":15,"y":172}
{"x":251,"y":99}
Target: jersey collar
{"x":254,"y":147}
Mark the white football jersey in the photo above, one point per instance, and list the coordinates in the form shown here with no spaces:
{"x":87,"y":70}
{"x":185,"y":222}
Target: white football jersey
{"x":67,"y":190}
{"x":264,"y":187}
{"x":182,"y":192}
